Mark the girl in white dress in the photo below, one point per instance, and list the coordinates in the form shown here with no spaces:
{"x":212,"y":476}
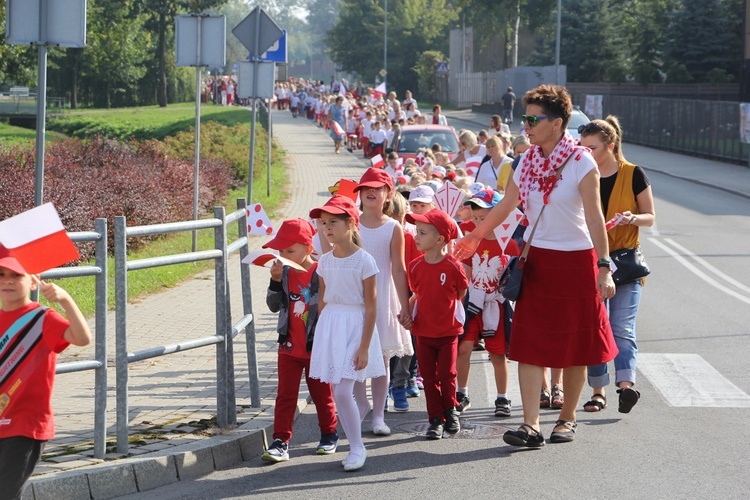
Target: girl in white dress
{"x":383,"y":238}
{"x":347,"y":347}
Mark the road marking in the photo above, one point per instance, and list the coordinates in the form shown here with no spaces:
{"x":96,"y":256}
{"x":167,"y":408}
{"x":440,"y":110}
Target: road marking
{"x":700,"y":273}
{"x":708,"y":266}
{"x":688,"y":380}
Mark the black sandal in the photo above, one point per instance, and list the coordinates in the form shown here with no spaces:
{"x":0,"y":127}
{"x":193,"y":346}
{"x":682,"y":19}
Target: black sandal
{"x":596,"y":405}
{"x":526,"y":436}
{"x":628,"y":398}
{"x":544,"y":399}
{"x":558,"y":398}
{"x":565,"y":436}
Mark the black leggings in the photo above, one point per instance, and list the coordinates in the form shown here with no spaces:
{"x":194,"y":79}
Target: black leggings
{"x":18,"y":457}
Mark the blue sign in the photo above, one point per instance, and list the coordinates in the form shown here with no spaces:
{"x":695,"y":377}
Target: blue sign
{"x":276,"y":53}
{"x":442,"y":68}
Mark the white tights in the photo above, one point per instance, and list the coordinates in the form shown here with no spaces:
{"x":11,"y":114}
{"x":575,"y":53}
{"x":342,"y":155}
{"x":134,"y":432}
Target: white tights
{"x":348,"y":413}
{"x":379,"y":395}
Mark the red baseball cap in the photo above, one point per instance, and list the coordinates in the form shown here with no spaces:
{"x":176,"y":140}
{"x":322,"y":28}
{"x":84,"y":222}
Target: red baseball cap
{"x":338,"y":204}
{"x":375,"y":178}
{"x":292,"y":231}
{"x":442,"y":222}
{"x":9,"y":262}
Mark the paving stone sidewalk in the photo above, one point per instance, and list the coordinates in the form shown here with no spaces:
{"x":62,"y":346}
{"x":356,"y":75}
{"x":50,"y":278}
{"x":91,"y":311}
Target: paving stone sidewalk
{"x":173,"y":398}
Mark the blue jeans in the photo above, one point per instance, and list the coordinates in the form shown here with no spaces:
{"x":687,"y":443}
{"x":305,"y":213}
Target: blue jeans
{"x":623,"y":308}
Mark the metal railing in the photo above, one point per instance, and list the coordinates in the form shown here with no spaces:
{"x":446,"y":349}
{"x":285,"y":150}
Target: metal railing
{"x":692,"y":126}
{"x":99,"y":363}
{"x":225,"y":330}
{"x":25,"y":105}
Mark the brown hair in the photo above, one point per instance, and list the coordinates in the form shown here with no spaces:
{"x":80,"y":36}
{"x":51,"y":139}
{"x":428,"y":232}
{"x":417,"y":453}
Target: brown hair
{"x":554,"y":101}
{"x":356,"y":238}
{"x":609,"y":131}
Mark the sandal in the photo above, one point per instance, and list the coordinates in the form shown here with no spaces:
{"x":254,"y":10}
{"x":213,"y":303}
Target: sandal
{"x":563,"y":436}
{"x":526,"y":436}
{"x":596,"y":405}
{"x":544,"y":399}
{"x":558,"y":398}
{"x":628,"y":398}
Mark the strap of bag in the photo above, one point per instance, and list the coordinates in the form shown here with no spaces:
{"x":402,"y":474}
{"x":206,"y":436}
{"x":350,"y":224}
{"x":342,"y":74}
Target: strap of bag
{"x":527,"y":246}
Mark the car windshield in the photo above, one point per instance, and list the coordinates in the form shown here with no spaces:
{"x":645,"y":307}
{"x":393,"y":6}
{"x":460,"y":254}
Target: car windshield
{"x":411,"y":140}
{"x":576,"y":120}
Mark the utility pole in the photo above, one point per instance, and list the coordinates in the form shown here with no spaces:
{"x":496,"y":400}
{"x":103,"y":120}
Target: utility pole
{"x":745,"y":76}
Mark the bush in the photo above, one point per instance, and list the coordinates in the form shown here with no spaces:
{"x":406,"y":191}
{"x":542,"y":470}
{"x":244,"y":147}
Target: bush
{"x":719,"y":75}
{"x":103,"y":178}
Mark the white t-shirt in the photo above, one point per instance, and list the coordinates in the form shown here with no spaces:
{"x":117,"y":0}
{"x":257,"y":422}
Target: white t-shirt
{"x":343,"y":277}
{"x":487,"y":173}
{"x":377,"y":136}
{"x":563,"y":224}
{"x":366,"y":128}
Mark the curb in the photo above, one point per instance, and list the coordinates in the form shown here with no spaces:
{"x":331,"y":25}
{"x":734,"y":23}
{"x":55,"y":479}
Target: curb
{"x":699,"y":182}
{"x":161,"y":468}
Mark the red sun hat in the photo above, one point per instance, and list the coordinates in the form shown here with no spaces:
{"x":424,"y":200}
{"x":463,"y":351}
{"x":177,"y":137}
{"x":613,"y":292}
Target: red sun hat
{"x":9,"y":262}
{"x":292,"y":231}
{"x":375,"y":178}
{"x":337,"y":205}
{"x":440,"y":220}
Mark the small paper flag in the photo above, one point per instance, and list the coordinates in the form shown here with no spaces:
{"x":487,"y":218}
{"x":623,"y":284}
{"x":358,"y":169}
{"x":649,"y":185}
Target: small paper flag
{"x":264,"y":258}
{"x":257,"y":221}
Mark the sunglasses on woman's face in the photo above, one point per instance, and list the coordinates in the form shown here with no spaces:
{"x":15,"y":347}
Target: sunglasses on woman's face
{"x":532,"y":120}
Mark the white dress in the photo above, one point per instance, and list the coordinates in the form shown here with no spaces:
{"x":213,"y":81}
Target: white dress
{"x":340,"y":325}
{"x":394,"y":339}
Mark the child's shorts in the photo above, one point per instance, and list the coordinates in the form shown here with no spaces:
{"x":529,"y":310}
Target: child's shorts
{"x":494,"y":344}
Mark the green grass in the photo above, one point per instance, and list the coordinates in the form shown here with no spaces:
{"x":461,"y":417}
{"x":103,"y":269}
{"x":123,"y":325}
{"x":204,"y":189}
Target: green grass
{"x":142,"y":283}
{"x":149,"y":122}
{"x":19,"y":136}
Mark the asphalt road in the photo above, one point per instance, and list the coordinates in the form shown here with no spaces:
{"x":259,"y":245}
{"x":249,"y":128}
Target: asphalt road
{"x":687,"y":438}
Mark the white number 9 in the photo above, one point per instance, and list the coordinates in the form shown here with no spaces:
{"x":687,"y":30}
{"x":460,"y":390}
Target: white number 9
{"x":442,"y":278}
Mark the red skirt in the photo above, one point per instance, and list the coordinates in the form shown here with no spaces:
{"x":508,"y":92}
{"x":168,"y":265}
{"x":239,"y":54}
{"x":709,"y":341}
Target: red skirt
{"x":559,"y":320}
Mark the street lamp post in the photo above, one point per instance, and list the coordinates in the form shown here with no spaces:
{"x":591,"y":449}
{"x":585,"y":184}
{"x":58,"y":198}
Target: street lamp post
{"x":557,"y":42}
{"x":385,"y":43}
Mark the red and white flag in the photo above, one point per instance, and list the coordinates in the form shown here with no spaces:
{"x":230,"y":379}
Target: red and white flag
{"x":264,"y":258}
{"x":38,"y":239}
{"x":257,"y":220}
{"x":379,"y":90}
{"x":337,"y":129}
{"x":377,"y":161}
{"x":419,"y":160}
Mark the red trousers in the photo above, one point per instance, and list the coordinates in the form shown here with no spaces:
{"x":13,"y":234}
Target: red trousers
{"x":437,"y":365}
{"x":290,"y":373}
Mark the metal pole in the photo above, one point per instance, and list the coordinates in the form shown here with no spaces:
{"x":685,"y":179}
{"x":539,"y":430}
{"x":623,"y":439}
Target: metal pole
{"x":247,"y":308}
{"x":220,"y":270}
{"x":268,"y":168}
{"x":557,"y":42}
{"x":121,"y":332}
{"x":100,"y":375}
{"x":197,"y":153}
{"x":41,"y":119}
{"x":254,"y":112}
{"x":385,"y":46}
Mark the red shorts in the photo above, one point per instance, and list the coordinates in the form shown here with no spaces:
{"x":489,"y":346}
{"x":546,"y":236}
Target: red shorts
{"x":473,"y":330}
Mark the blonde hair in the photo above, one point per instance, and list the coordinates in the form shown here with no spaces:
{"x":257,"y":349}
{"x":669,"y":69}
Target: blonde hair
{"x":493,"y":141}
{"x":398,"y":208}
{"x":469,"y":139}
{"x":609,"y":131}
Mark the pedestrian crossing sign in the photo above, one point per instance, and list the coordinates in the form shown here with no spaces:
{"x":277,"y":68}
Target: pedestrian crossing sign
{"x":442,"y":67}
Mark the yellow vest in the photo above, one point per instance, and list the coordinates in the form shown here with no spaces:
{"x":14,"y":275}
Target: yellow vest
{"x":621,"y":200}
{"x":506,"y":170}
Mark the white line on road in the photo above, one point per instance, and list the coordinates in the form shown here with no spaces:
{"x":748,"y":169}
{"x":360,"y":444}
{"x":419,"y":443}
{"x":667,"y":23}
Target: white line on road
{"x":700,"y":273}
{"x":689,"y":380}
{"x":708,"y":266}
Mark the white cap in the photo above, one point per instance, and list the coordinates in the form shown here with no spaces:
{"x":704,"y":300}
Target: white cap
{"x":476,"y":187}
{"x":422,"y":193}
{"x":439,"y":170}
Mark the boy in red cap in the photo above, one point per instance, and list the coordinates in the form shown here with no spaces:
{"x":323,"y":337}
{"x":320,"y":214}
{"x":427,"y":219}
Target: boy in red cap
{"x":439,"y":283}
{"x":30,"y":338}
{"x":294,"y":295}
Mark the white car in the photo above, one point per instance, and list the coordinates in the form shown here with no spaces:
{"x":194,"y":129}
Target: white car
{"x":577,"y":118}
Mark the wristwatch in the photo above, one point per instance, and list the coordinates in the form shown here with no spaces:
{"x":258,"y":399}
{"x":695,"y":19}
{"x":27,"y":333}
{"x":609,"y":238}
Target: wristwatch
{"x":632,"y":220}
{"x":603,"y":263}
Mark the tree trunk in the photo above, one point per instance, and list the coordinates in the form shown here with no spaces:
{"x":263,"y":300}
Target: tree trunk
{"x":514,"y":41}
{"x":76,"y":57}
{"x":162,"y":48}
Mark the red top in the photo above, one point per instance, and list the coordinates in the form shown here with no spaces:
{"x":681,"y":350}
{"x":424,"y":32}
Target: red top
{"x":437,"y":287}
{"x":488,"y":262}
{"x":411,"y":251}
{"x":467,"y":226}
{"x":29,"y":412}
{"x":299,"y":304}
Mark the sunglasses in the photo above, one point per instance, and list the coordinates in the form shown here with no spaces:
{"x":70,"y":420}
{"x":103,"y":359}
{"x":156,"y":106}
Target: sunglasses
{"x":532,"y":120}
{"x":591,"y":128}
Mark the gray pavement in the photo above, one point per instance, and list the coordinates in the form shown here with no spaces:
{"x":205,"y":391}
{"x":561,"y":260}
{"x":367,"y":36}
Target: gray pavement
{"x":172,"y":399}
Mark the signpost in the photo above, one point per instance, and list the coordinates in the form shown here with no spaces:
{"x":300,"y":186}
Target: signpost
{"x":257,"y":32}
{"x":44,"y":23}
{"x":200,"y":41}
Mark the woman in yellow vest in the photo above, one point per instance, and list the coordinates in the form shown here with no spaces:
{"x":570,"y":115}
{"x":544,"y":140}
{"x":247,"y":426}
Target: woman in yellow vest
{"x":625,"y":190}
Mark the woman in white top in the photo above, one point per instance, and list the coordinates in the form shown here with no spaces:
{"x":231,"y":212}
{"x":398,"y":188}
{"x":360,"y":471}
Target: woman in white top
{"x":489,"y":171}
{"x":560,"y":320}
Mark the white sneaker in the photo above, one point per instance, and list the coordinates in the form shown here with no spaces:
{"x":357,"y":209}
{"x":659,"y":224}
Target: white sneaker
{"x":381,"y":430}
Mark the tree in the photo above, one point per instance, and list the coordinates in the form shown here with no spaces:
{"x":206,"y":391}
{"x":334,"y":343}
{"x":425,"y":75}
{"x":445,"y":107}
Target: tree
{"x":705,"y":34}
{"x":644,"y":22}
{"x":425,"y":69}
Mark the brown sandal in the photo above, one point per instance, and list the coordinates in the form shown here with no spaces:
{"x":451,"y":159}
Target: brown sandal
{"x":544,"y":399}
{"x":557,"y":398}
{"x":596,"y":405}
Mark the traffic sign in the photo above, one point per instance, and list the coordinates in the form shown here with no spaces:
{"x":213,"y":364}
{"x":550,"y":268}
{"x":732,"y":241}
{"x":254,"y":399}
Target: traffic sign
{"x":383,"y":72}
{"x":269,"y":32}
{"x":277,"y":52}
{"x":246,"y":79}
{"x":442,"y":68}
{"x":209,"y":31}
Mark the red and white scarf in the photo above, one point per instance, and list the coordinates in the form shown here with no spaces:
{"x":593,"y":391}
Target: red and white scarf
{"x":536,"y":170}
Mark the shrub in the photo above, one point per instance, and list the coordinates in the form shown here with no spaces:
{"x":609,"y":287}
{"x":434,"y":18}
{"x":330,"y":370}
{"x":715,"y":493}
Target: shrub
{"x":103,"y":178}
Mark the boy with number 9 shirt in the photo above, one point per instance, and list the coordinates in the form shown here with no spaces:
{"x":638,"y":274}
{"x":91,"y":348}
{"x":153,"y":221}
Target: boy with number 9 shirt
{"x":439,"y":283}
{"x":30,"y":338}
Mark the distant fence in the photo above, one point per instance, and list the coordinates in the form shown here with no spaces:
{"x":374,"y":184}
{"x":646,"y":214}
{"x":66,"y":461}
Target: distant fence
{"x":17,"y":104}
{"x":465,"y":89}
{"x":718,"y":92}
{"x":698,"y":127}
